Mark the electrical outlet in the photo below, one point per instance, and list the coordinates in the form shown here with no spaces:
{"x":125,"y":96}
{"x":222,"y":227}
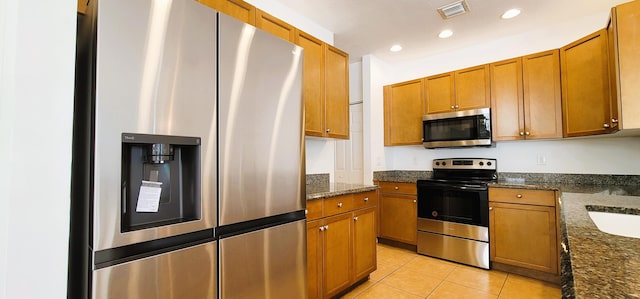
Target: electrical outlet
{"x":541,"y":159}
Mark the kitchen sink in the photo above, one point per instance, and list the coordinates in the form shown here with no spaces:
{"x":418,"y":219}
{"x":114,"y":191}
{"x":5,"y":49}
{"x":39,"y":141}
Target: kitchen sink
{"x":621,"y":222}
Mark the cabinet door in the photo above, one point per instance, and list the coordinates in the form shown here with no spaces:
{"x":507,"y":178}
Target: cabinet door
{"x":238,"y":9}
{"x":585,"y":86}
{"x":523,"y":236}
{"x":275,"y":26}
{"x":398,"y":218}
{"x":82,"y":6}
{"x":625,"y":44}
{"x":336,"y":93}
{"x":542,"y":95}
{"x":507,"y":111}
{"x":312,"y":83}
{"x":439,"y":93}
{"x":403,"y":109}
{"x":337,"y":253}
{"x":473,"y":89}
{"x":314,"y":259}
{"x":364,"y":242}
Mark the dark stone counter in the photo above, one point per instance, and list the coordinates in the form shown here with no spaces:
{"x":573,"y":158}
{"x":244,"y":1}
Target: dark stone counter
{"x":319,"y":191}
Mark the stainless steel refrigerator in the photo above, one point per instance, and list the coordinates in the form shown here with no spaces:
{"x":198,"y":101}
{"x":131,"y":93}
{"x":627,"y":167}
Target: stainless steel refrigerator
{"x":188,"y":156}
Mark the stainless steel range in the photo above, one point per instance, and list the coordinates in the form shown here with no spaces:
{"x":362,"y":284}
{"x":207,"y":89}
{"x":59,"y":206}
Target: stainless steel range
{"x":453,"y":210}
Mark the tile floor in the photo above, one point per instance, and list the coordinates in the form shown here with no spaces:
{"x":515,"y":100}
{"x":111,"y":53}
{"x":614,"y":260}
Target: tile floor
{"x":405,"y":274}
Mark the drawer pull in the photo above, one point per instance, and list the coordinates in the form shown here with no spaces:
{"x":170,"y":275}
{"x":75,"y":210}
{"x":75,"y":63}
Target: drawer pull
{"x":396,"y":188}
{"x":490,"y":208}
{"x":366,"y":199}
{"x":519,"y":196}
{"x":339,"y":205}
{"x":414,"y":201}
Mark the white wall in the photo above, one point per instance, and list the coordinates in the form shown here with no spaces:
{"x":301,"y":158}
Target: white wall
{"x":592,"y":155}
{"x":320,"y":156}
{"x":37,"y":48}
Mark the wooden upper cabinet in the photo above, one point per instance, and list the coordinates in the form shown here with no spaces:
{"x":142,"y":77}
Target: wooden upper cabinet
{"x":542,"y":95}
{"x":473,"y":88}
{"x":525,"y":97}
{"x":275,"y":26}
{"x":82,"y":6}
{"x":585,"y":86}
{"x":403,"y":110}
{"x":460,"y":90}
{"x":624,"y":46}
{"x":439,"y":93}
{"x":312,"y":83}
{"x":507,"y":109}
{"x":238,"y":9}
{"x":336,"y":93}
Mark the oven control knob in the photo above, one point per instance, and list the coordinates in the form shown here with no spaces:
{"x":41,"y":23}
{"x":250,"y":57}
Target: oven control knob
{"x":444,"y":163}
{"x":437,"y":163}
{"x":434,"y":213}
{"x":482,"y":163}
{"x":488,"y":163}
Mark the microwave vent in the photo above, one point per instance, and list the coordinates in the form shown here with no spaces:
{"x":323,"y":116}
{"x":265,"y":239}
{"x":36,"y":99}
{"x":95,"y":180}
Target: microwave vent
{"x":454,"y":9}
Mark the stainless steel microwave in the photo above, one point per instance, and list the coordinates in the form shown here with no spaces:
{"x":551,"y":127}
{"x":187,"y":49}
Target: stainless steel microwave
{"x":457,"y":129}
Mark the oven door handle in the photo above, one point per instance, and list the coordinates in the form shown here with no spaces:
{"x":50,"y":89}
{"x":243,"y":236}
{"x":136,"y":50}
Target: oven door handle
{"x":453,"y":186}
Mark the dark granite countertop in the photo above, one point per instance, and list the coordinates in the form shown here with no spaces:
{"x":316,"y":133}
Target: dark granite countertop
{"x":319,"y":191}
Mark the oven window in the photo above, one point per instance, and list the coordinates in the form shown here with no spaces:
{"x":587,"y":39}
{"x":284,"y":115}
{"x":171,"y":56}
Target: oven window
{"x":468,"y":207}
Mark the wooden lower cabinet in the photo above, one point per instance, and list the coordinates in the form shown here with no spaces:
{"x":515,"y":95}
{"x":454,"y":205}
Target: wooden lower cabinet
{"x":398,"y":212}
{"x":523,"y":229}
{"x":364,"y":243}
{"x":341,"y":248}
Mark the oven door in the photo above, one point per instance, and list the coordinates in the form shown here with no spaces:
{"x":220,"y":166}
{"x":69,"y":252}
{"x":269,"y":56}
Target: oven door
{"x":453,"y":202}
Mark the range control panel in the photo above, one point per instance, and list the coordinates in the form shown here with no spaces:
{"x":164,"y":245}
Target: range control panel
{"x":465,"y":163}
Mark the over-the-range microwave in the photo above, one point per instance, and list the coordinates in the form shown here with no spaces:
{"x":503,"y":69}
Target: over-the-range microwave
{"x":457,"y":129}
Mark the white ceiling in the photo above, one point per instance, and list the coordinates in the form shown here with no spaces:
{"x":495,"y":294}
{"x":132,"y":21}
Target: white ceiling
{"x":364,"y":27}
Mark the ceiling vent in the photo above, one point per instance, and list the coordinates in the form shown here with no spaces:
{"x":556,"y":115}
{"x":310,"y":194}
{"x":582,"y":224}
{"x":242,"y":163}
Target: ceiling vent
{"x":454,"y":9}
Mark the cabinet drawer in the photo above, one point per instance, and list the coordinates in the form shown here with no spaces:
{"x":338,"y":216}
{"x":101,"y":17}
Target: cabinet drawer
{"x":314,"y":209}
{"x":523,"y":196}
{"x":365,"y":199}
{"x":337,"y":205}
{"x":402,"y":188}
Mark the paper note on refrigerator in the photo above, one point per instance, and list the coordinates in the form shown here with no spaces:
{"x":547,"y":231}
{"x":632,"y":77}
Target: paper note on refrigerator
{"x":149,"y":197}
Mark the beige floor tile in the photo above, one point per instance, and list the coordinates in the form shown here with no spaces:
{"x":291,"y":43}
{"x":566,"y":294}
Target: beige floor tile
{"x":359,"y":289}
{"x":522,"y":287}
{"x":381,"y":290}
{"x":489,"y":281}
{"x":382,"y":271}
{"x":430,"y":266}
{"x":449,"y":290}
{"x":394,"y":256}
{"x":412,"y":281}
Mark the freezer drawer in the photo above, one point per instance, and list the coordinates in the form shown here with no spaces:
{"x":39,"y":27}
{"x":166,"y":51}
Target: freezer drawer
{"x":269,"y":263}
{"x":185,"y":273}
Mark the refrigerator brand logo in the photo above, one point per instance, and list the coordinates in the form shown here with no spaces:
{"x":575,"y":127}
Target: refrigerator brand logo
{"x":129,"y":137}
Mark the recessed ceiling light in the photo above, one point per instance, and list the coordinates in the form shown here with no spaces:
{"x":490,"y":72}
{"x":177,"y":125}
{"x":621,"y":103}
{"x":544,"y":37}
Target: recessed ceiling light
{"x":445,"y":33}
{"x":511,"y":13}
{"x":396,"y":48}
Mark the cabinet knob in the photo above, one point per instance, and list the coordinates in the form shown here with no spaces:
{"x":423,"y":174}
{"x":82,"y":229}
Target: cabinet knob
{"x":453,"y":107}
{"x":326,"y":227}
{"x":328,"y":130}
{"x":414,"y":201}
{"x":322,"y":228}
{"x":366,"y":199}
{"x":613,"y":120}
{"x":355,"y":218}
{"x":396,"y":188}
{"x":606,"y":126}
{"x":457,"y":106}
{"x":519,"y":196}
{"x":521,"y":133}
{"x":490,"y":208}
{"x":527,"y":133}
{"x":339,"y":205}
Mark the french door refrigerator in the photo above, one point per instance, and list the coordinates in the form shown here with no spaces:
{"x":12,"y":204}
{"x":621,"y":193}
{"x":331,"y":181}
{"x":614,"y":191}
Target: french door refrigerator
{"x":188,"y":158}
